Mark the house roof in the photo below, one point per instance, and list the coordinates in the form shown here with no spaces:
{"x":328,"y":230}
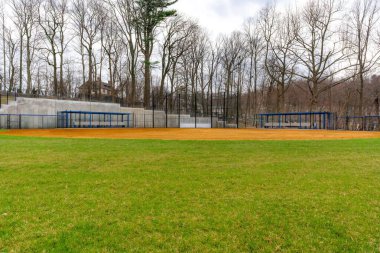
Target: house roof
{"x":104,"y":85}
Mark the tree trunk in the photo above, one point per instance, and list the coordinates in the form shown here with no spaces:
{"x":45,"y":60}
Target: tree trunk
{"x":133,"y":89}
{"x":111,"y":77}
{"x":361,"y":93}
{"x":147,"y":77}
{"x":132,"y":71}
{"x":61,"y":84}
{"x":281,"y":98}
{"x":21,"y":60}
{"x":55,"y":78}
{"x":4,"y":82}
{"x":28,"y":66}
{"x":161,"y":95}
{"x":90,"y":71}
{"x":83,"y":67}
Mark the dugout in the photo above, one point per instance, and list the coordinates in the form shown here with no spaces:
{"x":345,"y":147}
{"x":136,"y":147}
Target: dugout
{"x":297,"y":120}
{"x":360,"y":123}
{"x":84,"y":119}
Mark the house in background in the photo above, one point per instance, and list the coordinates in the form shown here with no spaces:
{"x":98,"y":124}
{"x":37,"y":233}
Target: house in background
{"x":104,"y":88}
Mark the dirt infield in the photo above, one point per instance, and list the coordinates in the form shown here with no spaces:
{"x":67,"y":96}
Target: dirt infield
{"x":194,"y":134}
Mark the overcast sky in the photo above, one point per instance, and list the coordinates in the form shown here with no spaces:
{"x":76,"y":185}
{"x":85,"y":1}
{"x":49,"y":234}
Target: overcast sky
{"x":224,"y":16}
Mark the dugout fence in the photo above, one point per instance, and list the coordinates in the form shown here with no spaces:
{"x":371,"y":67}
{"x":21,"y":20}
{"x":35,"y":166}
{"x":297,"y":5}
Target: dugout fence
{"x":359,"y":123}
{"x":84,"y":119}
{"x":298,"y":120}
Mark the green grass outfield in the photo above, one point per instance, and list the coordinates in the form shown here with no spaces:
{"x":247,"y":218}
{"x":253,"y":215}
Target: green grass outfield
{"x":66,"y":195}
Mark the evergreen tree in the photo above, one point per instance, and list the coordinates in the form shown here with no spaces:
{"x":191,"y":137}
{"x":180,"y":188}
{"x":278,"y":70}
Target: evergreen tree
{"x":149,"y":15}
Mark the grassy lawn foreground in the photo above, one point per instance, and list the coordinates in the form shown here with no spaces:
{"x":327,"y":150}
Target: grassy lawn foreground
{"x":66,"y":195}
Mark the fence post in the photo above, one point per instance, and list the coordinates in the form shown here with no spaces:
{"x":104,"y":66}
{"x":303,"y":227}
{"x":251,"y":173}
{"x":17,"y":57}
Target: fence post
{"x":195,"y":109}
{"x":153,"y":106}
{"x":224,"y":110}
{"x":7,"y":97}
{"x":211,"y":107}
{"x":166,"y":110}
{"x":237,"y":108}
{"x":179,"y":110}
{"x":363,"y":123}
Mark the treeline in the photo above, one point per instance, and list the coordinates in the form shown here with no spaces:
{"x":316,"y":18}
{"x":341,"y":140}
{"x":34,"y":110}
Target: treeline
{"x":319,"y":56}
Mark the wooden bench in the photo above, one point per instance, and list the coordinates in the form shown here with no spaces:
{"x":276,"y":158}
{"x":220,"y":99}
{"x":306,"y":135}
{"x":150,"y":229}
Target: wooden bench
{"x":97,"y":124}
{"x":287,"y":125}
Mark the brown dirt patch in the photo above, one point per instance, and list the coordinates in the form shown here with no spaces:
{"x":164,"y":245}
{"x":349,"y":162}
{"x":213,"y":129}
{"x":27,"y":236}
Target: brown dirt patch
{"x":194,"y":134}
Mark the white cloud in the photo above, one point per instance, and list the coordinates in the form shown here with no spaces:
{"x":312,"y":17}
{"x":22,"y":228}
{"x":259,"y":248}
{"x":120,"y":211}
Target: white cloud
{"x":224,"y":16}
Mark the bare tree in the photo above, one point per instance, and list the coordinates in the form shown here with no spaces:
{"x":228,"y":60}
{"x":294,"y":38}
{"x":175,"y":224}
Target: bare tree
{"x":63,"y":6}
{"x":279,"y":60}
{"x":4,"y":78}
{"x":175,"y":43}
{"x":78,"y":18}
{"x":11,"y":46}
{"x":323,"y":58}
{"x":362,"y":21}
{"x":27,"y":12}
{"x":191,"y":65}
{"x":86,"y":17}
{"x":18,"y":22}
{"x":111,"y":46}
{"x":123,"y":12}
{"x":232,"y":56}
{"x":52,"y":20}
{"x":255,"y":47}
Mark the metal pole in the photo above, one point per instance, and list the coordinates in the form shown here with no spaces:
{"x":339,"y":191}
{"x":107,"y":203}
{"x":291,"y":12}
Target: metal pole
{"x":237,"y":108}
{"x":153,"y":106}
{"x":363,"y":123}
{"x":195,"y":109}
{"x":7,"y":97}
{"x":300,"y":120}
{"x":224,"y":110}
{"x":0,"y":99}
{"x":179,"y":110}
{"x":211,"y":107}
{"x":166,"y":109}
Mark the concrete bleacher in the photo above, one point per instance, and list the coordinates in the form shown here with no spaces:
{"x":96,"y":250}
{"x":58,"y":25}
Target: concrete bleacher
{"x":45,"y":111}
